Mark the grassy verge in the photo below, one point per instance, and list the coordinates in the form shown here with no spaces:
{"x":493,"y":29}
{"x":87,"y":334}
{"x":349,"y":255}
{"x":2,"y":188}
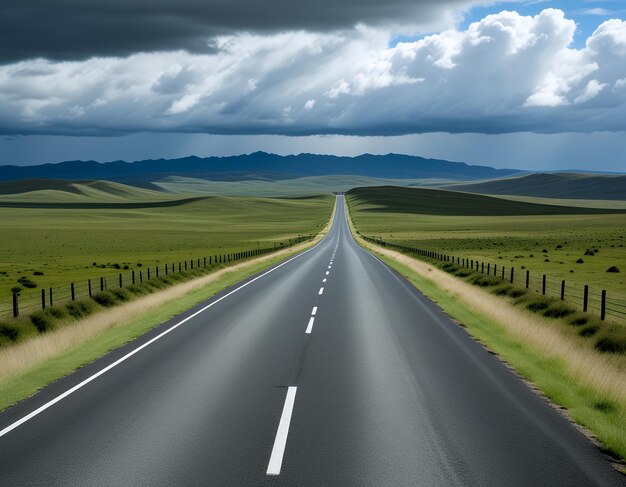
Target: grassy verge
{"x":590,"y":385}
{"x":56,"y":354}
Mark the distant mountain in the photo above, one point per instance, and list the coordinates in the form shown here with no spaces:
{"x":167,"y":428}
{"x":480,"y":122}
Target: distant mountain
{"x":257,"y":166}
{"x":560,"y":185}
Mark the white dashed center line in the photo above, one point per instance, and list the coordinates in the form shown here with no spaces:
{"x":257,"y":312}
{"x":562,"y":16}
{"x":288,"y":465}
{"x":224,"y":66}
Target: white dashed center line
{"x":309,"y":327}
{"x":321,"y":291}
{"x":276,"y":459}
{"x":314,"y":312}
{"x":327,"y":272}
{"x":324,"y":280}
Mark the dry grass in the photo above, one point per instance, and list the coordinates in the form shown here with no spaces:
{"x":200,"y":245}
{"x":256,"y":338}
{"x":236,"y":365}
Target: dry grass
{"x":16,"y":360}
{"x":605,"y":373}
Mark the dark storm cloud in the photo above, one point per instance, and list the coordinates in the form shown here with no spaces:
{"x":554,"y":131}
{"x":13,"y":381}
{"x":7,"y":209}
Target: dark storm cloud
{"x":78,"y":29}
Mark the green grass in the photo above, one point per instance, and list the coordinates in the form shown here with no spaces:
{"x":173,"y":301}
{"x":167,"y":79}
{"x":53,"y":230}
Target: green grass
{"x":605,"y":417}
{"x":464,"y":225}
{"x":17,"y":388}
{"x":72,"y":245}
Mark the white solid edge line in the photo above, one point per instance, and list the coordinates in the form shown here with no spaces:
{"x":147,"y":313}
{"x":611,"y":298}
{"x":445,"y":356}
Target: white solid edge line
{"x":278,"y":450}
{"x":309,"y":327}
{"x":321,"y":291}
{"x":314,"y":312}
{"x":80,"y":385}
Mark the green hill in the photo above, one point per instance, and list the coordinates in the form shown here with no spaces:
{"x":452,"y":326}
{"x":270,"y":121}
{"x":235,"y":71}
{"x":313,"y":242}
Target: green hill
{"x":443,"y":202}
{"x":49,"y":191}
{"x":560,"y":185}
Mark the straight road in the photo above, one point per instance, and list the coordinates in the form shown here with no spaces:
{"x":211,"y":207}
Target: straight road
{"x":330,"y":369}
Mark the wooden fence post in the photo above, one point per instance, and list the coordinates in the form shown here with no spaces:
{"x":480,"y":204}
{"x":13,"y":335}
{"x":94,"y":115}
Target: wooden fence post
{"x":120,"y":279}
{"x":16,"y":308}
{"x":603,"y":306}
{"x":43,"y":299}
{"x":102,"y":284}
{"x":89,"y":286}
{"x":133,"y":277}
{"x":563,"y":290}
{"x":586,"y":298}
{"x":140,"y":276}
{"x":50,"y":297}
{"x":543,"y":285}
{"x":512,"y":274}
{"x":527,"y":279}
{"x":73,"y":293}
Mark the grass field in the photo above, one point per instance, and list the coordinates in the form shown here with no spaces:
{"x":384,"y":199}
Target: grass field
{"x":53,"y":247}
{"x":542,"y":238}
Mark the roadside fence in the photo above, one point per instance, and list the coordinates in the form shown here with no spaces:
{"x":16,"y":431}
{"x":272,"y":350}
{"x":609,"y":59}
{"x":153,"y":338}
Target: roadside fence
{"x":589,"y":300}
{"x":30,"y":300}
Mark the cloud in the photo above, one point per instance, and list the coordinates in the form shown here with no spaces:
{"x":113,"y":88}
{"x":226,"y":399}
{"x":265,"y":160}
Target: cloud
{"x":79,"y":29}
{"x":505,"y":73}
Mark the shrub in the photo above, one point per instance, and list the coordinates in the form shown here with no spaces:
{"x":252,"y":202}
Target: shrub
{"x":55,"y":312}
{"x":558,"y":310}
{"x":611,"y":344}
{"x":580,"y":261}
{"x":604,"y":406}
{"x":516,"y":293}
{"x":37,"y":273}
{"x":578,"y":319}
{"x":79,"y":308}
{"x":16,"y":290}
{"x":26,"y":282}
{"x":501,"y":290}
{"x":43,"y":321}
{"x":121,"y":294}
{"x":9,"y":332}
{"x":537,"y":305}
{"x":485,"y":281}
{"x":463,"y":273}
{"x":105,"y":298}
{"x":589,"y":331}
{"x":612,"y":269}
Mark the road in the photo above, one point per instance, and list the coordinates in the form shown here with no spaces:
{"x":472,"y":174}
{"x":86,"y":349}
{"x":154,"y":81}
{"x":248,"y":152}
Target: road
{"x":330,"y":369}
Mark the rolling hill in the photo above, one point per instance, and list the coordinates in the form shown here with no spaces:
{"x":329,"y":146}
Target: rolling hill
{"x":442,"y":202}
{"x":559,"y":185}
{"x":257,"y":166}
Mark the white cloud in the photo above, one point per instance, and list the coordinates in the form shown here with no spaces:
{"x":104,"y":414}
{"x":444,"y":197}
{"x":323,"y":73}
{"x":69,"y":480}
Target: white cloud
{"x":505,"y":73}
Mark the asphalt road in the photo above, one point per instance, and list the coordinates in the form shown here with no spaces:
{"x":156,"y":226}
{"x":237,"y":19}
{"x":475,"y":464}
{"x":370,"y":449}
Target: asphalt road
{"x":330,"y":369}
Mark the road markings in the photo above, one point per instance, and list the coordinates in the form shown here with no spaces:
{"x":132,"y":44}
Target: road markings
{"x":82,"y":384}
{"x":323,"y":280}
{"x":309,"y":328}
{"x":321,"y":291}
{"x":276,"y":459}
{"x":329,"y":267}
{"x":327,"y":272}
{"x":314,"y":311}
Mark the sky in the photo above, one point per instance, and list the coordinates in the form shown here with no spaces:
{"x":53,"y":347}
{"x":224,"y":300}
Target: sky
{"x":537,"y":85}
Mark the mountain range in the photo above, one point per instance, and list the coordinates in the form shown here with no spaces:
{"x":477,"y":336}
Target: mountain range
{"x":257,"y":166}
